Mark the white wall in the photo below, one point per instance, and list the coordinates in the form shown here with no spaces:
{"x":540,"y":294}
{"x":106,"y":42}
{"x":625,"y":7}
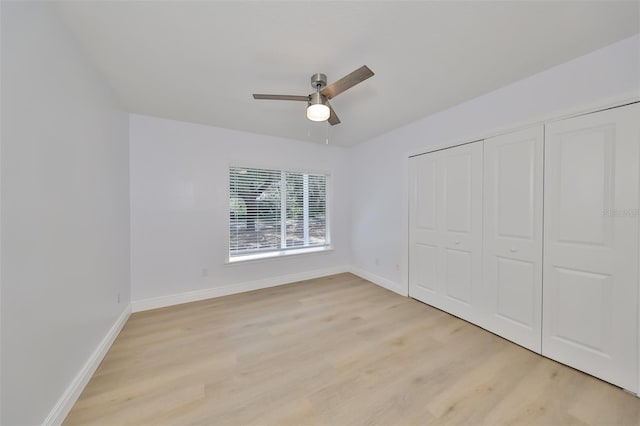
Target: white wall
{"x":379,"y":213}
{"x":179,"y":206}
{"x":65,"y":211}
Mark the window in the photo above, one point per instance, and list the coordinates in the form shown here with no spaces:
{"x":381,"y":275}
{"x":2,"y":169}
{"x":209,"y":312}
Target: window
{"x":276,"y":212}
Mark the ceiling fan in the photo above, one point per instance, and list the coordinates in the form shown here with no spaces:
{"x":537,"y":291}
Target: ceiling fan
{"x":318,"y":107}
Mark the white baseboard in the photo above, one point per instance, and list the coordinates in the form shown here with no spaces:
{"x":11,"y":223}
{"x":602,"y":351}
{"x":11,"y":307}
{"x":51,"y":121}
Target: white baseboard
{"x":71,"y":394}
{"x":208,"y":293}
{"x":381,"y":281}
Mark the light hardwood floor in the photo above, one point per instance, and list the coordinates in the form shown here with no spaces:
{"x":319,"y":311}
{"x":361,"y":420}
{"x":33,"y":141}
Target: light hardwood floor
{"x":333,"y":351}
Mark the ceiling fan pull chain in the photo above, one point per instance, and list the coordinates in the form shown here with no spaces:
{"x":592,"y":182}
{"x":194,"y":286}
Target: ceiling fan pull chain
{"x":327,"y":139}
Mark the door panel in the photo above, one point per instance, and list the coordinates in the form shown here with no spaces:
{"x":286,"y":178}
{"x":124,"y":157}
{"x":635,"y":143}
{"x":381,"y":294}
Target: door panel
{"x":458,"y":275}
{"x":462,"y":231}
{"x":580,"y":202}
{"x":426,"y":266}
{"x":457,"y":191}
{"x":582,"y":324}
{"x":426,"y":196}
{"x":513,"y":180}
{"x":516,"y":289}
{"x":424,"y":223}
{"x":445,"y":258}
{"x":590,"y":304}
{"x":516,"y":170}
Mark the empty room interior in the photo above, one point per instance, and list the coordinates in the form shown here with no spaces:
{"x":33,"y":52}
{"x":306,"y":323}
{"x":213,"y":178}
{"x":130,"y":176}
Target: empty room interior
{"x":320,"y":213}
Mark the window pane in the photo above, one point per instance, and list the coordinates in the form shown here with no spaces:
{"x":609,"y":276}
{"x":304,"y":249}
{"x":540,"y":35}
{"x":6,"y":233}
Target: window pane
{"x":306,"y":210}
{"x":254,"y":210}
{"x":317,"y":209}
{"x":295,"y":222}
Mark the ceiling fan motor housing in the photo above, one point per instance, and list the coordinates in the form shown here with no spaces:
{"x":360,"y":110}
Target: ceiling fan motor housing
{"x":318,"y":81}
{"x":317,"y":98}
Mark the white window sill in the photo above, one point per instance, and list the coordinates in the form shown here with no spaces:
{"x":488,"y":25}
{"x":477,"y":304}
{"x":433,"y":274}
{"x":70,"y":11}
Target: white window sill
{"x":256,"y":257}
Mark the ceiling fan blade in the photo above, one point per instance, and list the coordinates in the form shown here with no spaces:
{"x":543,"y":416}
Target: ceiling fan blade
{"x":347,"y":82}
{"x":333,"y":118}
{"x":281,"y":97}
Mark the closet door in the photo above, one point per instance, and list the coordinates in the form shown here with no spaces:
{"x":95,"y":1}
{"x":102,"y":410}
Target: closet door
{"x":513,"y":180}
{"x":446,"y":230}
{"x":425,"y":227}
{"x":461,"y":250}
{"x":590,"y":302}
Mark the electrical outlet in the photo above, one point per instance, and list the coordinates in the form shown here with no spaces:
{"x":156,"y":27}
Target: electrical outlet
{"x":377,"y":261}
{"x":118,"y":298}
{"x":205,"y":272}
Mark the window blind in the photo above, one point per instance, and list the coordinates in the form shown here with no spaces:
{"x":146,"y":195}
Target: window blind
{"x":276,"y":210}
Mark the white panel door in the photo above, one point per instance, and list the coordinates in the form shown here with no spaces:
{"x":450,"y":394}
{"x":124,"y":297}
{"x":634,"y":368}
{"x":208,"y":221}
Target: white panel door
{"x":445,"y":264}
{"x":461,"y":212}
{"x":513,"y":180}
{"x":590,"y":301}
{"x":424,"y":224}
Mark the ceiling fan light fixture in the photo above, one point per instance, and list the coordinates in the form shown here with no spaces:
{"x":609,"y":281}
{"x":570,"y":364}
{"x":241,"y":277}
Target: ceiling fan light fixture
{"x":318,"y":112}
{"x":317,"y":109}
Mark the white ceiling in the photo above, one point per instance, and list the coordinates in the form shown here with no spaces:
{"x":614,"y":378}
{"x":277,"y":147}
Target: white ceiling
{"x":201,"y":61}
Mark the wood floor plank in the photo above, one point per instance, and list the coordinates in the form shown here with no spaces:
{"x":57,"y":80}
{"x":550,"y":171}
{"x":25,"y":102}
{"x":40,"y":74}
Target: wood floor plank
{"x":332,"y":351}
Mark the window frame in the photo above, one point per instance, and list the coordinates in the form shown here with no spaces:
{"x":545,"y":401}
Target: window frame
{"x":281,"y":253}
